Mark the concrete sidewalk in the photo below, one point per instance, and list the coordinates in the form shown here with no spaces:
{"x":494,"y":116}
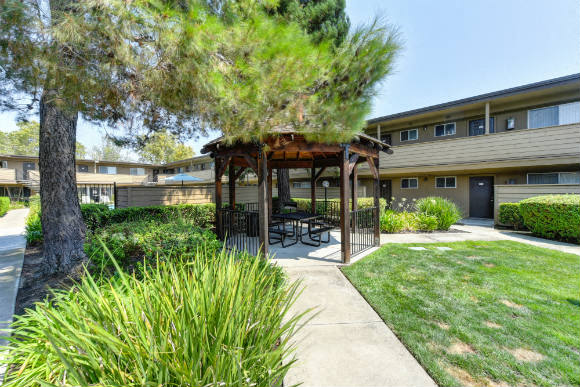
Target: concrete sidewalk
{"x":12,"y":245}
{"x":346,"y":343}
{"x":479,"y":233}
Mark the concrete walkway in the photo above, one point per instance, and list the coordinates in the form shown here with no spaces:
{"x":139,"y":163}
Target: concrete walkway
{"x":346,"y":343}
{"x":473,"y":232}
{"x":12,"y":245}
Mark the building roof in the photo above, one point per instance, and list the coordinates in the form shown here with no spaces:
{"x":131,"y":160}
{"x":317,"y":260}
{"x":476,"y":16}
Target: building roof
{"x":133,"y":163}
{"x":531,"y":87}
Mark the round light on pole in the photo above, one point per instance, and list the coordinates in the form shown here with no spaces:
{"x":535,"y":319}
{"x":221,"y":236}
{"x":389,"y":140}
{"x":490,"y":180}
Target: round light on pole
{"x":325,"y":184}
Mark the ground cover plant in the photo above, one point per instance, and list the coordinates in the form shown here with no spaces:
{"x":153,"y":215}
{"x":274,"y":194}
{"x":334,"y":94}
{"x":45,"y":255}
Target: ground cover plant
{"x":510,"y":214}
{"x":217,"y":319}
{"x":33,"y":224}
{"x":482,"y":313}
{"x":553,"y":216}
{"x":426,"y":214}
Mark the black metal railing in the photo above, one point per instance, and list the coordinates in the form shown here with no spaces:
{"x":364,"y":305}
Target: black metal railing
{"x":239,"y":230}
{"x":362,"y":229}
{"x":96,"y":193}
{"x":252,"y":207}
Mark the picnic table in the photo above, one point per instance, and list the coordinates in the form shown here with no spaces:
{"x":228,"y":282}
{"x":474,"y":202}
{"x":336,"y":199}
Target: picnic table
{"x":316,"y":227}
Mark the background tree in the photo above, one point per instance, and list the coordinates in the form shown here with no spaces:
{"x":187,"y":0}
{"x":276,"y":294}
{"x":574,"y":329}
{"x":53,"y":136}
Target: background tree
{"x":146,"y":65}
{"x":164,"y":147}
{"x":108,"y":150}
{"x":25,"y":141}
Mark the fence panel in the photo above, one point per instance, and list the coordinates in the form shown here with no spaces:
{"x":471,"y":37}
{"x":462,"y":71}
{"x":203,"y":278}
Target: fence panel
{"x":362,"y":230}
{"x":239,"y":230}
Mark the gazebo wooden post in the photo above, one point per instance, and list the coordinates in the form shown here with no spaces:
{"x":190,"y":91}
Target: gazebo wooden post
{"x":376,"y":193}
{"x":313,"y":189}
{"x":354,"y":187}
{"x":232,"y":185}
{"x":263,"y":200}
{"x":218,"y":197}
{"x":344,"y":207}
{"x":269,"y":194}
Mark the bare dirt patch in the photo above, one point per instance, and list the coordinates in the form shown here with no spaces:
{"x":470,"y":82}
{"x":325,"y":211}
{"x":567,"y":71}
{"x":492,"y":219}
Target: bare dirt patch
{"x":462,"y":376}
{"x":474,"y":299}
{"x":491,"y":324}
{"x":442,"y":325}
{"x":526,"y":355}
{"x":489,"y":265}
{"x":460,"y":348}
{"x":511,"y":304}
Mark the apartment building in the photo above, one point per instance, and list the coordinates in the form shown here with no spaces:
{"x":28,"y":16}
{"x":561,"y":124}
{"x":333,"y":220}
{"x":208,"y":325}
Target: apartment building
{"x":527,"y":136}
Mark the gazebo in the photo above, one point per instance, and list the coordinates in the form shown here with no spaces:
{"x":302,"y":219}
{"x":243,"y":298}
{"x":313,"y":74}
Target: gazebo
{"x":288,"y":149}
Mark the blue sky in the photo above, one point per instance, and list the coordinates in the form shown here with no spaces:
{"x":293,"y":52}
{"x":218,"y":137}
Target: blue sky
{"x":455,"y":49}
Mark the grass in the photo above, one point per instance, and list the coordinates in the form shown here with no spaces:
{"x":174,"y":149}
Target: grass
{"x":483,"y":313}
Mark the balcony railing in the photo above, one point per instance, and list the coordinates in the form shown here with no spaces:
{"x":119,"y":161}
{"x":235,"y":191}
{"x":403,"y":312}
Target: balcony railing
{"x":542,"y":143}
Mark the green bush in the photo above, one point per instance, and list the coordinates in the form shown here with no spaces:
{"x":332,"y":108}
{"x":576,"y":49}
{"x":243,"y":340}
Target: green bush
{"x":426,"y":222}
{"x":216,"y":320}
{"x":553,"y":216}
{"x":509,"y":214}
{"x":33,"y":223}
{"x":443,"y":209}
{"x":304,"y":204}
{"x":4,"y":205}
{"x":393,"y":221}
{"x":94,"y":215}
{"x":132,"y":242}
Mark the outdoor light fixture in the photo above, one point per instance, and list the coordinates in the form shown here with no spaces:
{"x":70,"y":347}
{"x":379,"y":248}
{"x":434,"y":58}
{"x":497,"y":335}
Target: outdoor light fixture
{"x":510,"y":123}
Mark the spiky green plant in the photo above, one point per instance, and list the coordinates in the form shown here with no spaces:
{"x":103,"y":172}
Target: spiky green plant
{"x":218,"y":320}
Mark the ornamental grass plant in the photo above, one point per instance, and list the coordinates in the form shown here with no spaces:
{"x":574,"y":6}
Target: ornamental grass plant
{"x":219,"y":319}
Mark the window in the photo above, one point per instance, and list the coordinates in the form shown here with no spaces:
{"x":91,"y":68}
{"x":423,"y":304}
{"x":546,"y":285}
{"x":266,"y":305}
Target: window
{"x":554,"y":178}
{"x":180,"y":169}
{"x":301,"y":184}
{"x":446,"y":182}
{"x":107,"y":170}
{"x":410,"y":182}
{"x":137,"y":171}
{"x":3,"y":164}
{"x":477,"y":127}
{"x":564,"y":114}
{"x":445,"y":129}
{"x":386,"y":138}
{"x":409,"y":135}
{"x":83,"y":168}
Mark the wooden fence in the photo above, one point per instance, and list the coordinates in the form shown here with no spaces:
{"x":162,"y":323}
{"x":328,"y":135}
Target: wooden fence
{"x":135,"y":196}
{"x":513,"y":193}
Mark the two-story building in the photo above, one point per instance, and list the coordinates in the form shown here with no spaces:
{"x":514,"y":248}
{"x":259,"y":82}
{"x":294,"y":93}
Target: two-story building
{"x":526,"y":135}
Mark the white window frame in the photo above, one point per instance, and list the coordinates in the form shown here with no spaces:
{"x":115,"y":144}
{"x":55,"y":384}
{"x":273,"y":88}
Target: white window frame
{"x":544,"y":107}
{"x":546,"y":173}
{"x":109,"y":167}
{"x":408,"y":130}
{"x":409,"y":178}
{"x":137,"y":169}
{"x":446,"y":177}
{"x":444,"y":131}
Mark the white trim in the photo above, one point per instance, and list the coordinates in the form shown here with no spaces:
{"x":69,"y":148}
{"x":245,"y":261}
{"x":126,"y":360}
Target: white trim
{"x":445,"y":123}
{"x":445,"y":177}
{"x":408,"y":130}
{"x":409,"y":178}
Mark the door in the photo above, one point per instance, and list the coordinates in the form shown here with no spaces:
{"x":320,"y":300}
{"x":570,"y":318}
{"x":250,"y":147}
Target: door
{"x":386,"y":191}
{"x":481,"y":197}
{"x":477,"y":127}
{"x":27,"y":167}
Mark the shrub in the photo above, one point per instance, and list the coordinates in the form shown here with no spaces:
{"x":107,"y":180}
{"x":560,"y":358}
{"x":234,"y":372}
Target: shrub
{"x":132,"y":242}
{"x":425,"y":222}
{"x":202,"y":214}
{"x":33,"y":223}
{"x":509,"y":214}
{"x":304,"y":204}
{"x":391,"y":221}
{"x":444,"y":210}
{"x":4,"y":205}
{"x":553,"y":216}
{"x":216,"y":320}
{"x":94,"y":215}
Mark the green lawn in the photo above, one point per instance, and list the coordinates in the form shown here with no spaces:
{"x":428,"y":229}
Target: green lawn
{"x":483,"y":313}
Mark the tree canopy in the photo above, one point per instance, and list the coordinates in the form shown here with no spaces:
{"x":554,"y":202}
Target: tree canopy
{"x":191,"y":65}
{"x":163,"y":147}
{"x":108,"y":150}
{"x":24,"y":141}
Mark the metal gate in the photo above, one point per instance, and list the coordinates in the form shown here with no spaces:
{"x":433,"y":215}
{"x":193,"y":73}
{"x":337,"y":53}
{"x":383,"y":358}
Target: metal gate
{"x":239,"y":229}
{"x":362,"y":230}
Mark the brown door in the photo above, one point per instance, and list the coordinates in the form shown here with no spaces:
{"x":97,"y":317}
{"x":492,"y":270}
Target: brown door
{"x":386,"y":191}
{"x":481,"y":196}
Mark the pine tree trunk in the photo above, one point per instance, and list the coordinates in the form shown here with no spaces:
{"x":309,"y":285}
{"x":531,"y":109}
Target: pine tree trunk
{"x":62,"y":223}
{"x":283,"y":177}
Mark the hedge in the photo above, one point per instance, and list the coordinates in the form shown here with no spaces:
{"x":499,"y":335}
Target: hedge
{"x":98,"y":215}
{"x":304,"y":204}
{"x":4,"y":205}
{"x":553,"y":216}
{"x":509,"y":214}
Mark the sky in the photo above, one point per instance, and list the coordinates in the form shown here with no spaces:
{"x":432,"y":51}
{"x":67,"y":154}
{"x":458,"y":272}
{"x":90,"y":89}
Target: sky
{"x":452,"y":49}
